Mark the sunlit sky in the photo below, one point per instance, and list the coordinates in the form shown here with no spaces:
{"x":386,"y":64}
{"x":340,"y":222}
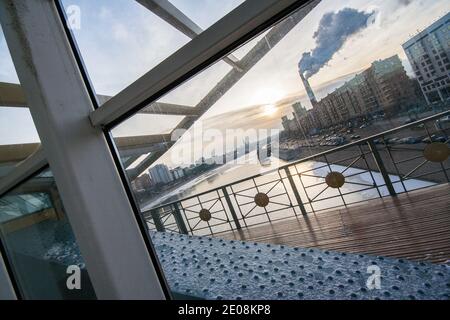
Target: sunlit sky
{"x":120,"y":40}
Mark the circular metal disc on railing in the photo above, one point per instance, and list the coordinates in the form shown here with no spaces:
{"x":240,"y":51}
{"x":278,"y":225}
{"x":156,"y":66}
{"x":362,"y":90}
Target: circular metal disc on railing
{"x":205,"y":215}
{"x":262,"y":200}
{"x":436,"y":152}
{"x":335,"y":179}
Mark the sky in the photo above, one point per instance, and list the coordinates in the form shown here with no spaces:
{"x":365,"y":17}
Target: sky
{"x":120,"y":40}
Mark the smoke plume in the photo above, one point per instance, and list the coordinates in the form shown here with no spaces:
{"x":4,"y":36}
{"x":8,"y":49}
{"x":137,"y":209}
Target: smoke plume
{"x":405,"y":2}
{"x":334,"y":30}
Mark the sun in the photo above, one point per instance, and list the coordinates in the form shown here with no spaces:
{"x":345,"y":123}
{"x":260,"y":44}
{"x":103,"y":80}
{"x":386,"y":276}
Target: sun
{"x":269,"y":109}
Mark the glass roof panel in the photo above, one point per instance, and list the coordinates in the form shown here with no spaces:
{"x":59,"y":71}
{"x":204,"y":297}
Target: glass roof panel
{"x":122,"y":40}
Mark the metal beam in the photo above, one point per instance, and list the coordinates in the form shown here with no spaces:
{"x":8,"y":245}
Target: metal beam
{"x":159,"y":108}
{"x":137,"y":151}
{"x":169,"y":109}
{"x":275,"y":35}
{"x":107,"y":232}
{"x":128,"y":146}
{"x":17,"y":152}
{"x":11,"y":95}
{"x":35,"y":185}
{"x":172,"y":15}
{"x":225,"y":33}
{"x":177,"y":19}
{"x":24,"y":170}
{"x":144,"y":164}
{"x":252,"y":57}
{"x":129,"y":160}
{"x":135,"y":142}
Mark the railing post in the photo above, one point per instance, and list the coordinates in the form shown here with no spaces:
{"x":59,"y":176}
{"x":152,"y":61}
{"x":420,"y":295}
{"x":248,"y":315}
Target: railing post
{"x":295,"y":190}
{"x":231,"y":207}
{"x":179,"y":219}
{"x":159,"y":225}
{"x":381,"y":168}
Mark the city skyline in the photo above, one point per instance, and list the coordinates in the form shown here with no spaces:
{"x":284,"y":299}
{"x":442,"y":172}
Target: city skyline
{"x":274,"y":77}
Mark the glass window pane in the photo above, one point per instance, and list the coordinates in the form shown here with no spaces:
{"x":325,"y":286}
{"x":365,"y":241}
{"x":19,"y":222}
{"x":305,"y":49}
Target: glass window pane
{"x":227,"y":219}
{"x":121,"y":40}
{"x":40,"y":244}
{"x":18,"y":135}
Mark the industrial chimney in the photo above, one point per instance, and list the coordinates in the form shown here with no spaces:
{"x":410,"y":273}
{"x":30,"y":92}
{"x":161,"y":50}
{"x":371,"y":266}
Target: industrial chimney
{"x":309,"y":91}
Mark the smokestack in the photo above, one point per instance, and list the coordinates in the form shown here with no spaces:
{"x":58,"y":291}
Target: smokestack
{"x":309,"y":91}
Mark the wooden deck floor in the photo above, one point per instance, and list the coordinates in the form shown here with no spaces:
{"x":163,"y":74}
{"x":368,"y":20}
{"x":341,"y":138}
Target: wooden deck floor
{"x":414,"y":226}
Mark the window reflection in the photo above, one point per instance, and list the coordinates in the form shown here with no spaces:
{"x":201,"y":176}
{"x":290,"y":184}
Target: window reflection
{"x":40,"y":243}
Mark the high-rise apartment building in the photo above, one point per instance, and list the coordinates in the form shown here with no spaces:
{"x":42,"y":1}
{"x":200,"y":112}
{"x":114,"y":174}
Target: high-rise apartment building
{"x":390,"y":85}
{"x":429,"y":54}
{"x":384,"y":87}
{"x":160,"y":174}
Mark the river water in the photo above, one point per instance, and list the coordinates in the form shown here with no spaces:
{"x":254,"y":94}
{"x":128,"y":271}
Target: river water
{"x":354,"y":190}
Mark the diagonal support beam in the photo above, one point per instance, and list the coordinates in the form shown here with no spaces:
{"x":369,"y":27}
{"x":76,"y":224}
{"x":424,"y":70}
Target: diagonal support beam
{"x":141,"y":167}
{"x":177,"y":19}
{"x":128,"y":147}
{"x":11,"y":95}
{"x":139,"y":150}
{"x":36,"y":185}
{"x":12,"y":153}
{"x":125,"y":143}
{"x":169,"y":109}
{"x":29,"y":166}
{"x":274,"y":36}
{"x":128,"y":161}
{"x":113,"y":241}
{"x":226,"y":33}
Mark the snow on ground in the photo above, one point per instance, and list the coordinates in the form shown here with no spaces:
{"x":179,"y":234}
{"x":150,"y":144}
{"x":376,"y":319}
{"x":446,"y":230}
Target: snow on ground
{"x":214,"y":268}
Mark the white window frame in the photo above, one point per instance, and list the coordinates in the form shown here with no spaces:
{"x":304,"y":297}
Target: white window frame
{"x":88,"y":177}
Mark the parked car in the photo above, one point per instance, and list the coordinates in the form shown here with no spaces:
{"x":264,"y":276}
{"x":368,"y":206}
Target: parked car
{"x":378,"y":141}
{"x":392,"y":140}
{"x":439,"y":139}
{"x":434,"y":138}
{"x":409,"y":140}
{"x":336,"y":141}
{"x":426,"y":140}
{"x":443,"y":119}
{"x":355,"y":136}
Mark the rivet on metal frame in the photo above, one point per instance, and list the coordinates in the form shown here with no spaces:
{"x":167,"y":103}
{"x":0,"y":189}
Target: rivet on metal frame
{"x":335,"y":179}
{"x":205,"y":214}
{"x":262,"y":200}
{"x":436,"y":152}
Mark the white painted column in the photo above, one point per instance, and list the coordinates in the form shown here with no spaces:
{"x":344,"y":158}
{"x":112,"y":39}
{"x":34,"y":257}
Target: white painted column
{"x":94,"y":198}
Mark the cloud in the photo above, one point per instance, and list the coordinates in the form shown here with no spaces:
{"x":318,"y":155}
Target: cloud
{"x":120,"y":32}
{"x":405,"y":2}
{"x":105,"y":13}
{"x":334,"y":30}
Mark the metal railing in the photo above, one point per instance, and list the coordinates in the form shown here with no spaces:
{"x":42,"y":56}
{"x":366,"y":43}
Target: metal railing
{"x":373,"y":167}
